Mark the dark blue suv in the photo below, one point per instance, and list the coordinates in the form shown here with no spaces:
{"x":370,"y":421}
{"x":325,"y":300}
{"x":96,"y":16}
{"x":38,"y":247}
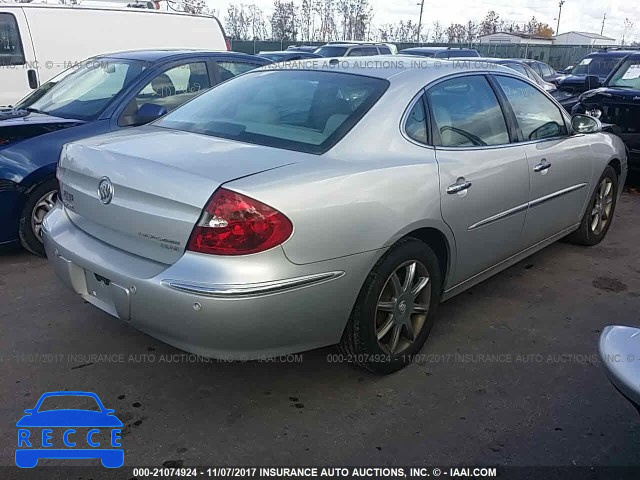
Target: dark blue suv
{"x":103,"y":94}
{"x":617,"y":102}
{"x":589,"y":73}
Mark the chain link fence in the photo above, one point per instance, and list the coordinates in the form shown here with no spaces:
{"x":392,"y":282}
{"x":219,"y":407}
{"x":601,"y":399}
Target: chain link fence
{"x":558,"y":56}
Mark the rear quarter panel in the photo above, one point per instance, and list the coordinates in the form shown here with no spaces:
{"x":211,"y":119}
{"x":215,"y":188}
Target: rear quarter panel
{"x":369,"y":190}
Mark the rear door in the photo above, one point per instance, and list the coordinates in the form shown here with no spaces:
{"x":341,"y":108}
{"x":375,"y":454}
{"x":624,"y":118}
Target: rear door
{"x":484,"y":179}
{"x":18,"y":75}
{"x":559,"y":164}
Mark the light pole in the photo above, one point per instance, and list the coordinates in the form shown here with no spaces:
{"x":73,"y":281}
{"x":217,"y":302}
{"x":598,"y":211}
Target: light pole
{"x":420,"y":21}
{"x":559,"y":13}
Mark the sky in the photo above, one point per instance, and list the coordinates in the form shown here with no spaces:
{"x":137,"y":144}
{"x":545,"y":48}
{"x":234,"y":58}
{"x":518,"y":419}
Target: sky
{"x":577,"y":15}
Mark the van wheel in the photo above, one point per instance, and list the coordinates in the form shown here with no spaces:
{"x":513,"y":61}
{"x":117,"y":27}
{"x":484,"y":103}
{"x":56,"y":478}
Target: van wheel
{"x":40,"y":201}
{"x":600,"y":210}
{"x":394,"y":312}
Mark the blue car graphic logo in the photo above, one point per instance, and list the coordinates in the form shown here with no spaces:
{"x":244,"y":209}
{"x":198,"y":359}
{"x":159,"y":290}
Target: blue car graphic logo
{"x":84,"y":434}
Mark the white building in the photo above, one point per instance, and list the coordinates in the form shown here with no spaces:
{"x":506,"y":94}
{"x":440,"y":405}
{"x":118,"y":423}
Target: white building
{"x":515,"y":37}
{"x":583,"y":38}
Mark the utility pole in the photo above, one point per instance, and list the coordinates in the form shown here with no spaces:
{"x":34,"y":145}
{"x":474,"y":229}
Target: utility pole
{"x":559,"y":13}
{"x":603,"y":19}
{"x":420,"y":20}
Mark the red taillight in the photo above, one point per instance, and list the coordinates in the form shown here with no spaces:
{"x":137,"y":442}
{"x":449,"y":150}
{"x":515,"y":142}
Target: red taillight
{"x":233,"y":224}
{"x":228,"y":42}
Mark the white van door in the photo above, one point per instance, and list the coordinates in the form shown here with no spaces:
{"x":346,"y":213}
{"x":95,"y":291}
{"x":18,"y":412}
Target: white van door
{"x":18,"y":67}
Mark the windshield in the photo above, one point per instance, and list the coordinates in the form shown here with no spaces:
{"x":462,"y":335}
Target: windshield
{"x":86,"y":91}
{"x":331,"y":51}
{"x":600,"y":66}
{"x":307,"y":111}
{"x":628,"y":75}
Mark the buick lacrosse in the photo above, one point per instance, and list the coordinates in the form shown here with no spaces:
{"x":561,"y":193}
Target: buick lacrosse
{"x":296,"y":208}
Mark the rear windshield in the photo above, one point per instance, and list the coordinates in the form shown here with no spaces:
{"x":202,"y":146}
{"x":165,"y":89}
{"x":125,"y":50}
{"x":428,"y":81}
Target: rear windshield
{"x":331,"y":51}
{"x":302,"y":110}
{"x":600,"y":66}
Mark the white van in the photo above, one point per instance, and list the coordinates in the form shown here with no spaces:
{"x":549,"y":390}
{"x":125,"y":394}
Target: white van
{"x":39,"y":41}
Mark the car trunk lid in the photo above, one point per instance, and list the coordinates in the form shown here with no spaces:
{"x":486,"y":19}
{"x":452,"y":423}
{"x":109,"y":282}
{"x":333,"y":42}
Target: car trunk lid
{"x":161,"y":179}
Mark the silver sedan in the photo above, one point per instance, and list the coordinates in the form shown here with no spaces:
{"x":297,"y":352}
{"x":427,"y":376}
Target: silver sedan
{"x":336,"y":203}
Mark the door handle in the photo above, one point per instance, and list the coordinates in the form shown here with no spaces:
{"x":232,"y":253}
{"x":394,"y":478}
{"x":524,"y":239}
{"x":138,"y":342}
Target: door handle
{"x":543,"y":166}
{"x":460,"y":186}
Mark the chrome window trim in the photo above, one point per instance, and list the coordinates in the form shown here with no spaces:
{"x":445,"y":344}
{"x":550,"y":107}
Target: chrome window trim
{"x":251,"y":289}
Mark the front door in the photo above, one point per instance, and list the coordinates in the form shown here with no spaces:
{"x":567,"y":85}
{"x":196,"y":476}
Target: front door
{"x":559,"y":164}
{"x":484,"y":178}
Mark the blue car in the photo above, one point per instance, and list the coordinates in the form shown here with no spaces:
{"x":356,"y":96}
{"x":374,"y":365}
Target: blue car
{"x":103,"y":94}
{"x":69,"y":442}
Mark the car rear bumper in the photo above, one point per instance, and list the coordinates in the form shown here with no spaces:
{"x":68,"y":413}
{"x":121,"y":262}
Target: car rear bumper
{"x":244,"y":307}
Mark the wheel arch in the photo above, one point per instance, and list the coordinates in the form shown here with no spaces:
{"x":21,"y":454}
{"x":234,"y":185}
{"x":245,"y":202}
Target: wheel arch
{"x":440,"y":245}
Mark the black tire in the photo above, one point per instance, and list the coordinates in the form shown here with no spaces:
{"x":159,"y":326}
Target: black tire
{"x":359,"y":343}
{"x":585,"y":234}
{"x":29,"y":239}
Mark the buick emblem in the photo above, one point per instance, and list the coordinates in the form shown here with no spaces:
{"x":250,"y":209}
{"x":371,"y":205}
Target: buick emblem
{"x":105,"y":190}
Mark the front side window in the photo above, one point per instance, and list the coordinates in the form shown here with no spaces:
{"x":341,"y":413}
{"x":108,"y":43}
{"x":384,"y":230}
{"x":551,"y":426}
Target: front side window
{"x":366,"y":51}
{"x":467,"y":113}
{"x":416,"y":124}
{"x":10,"y":44}
{"x":627,"y":75}
{"x":169,"y":89}
{"x":307,"y":111}
{"x":89,"y":88}
{"x":355,"y":52}
{"x":537,"y":116}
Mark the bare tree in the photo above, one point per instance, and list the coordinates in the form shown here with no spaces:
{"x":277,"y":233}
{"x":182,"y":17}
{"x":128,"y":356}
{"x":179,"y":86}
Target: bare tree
{"x":490,"y":23}
{"x":438,"y":32}
{"x":283,"y":21}
{"x":456,"y":33}
{"x":256,"y":24}
{"x":236,"y":24}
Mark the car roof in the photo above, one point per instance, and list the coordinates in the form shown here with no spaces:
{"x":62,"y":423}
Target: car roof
{"x":435,"y":49}
{"x":612,"y":53}
{"x":347,"y":44}
{"x":392,"y":67}
{"x":163,"y":54}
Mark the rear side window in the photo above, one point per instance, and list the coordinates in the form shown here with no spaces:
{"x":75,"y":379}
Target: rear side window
{"x":307,"y":111}
{"x":232,"y":68}
{"x":461,"y":53}
{"x":356,"y":52}
{"x":416,"y":124}
{"x":384,"y":50}
{"x":467,"y":113}
{"x":369,"y":51}
{"x":537,"y":116}
{"x":10,"y":44}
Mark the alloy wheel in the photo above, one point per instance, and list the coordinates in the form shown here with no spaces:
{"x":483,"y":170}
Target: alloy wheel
{"x":601,"y":212}
{"x":402,"y":307}
{"x":41,"y":208}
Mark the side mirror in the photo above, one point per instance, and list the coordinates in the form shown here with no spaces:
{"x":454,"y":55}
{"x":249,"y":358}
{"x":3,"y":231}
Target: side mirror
{"x":585,"y":124}
{"x":591,"y":82}
{"x":149,"y":112}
